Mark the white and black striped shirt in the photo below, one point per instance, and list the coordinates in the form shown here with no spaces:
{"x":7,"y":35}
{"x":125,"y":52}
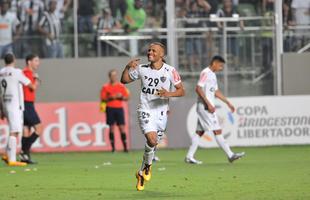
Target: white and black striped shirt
{"x":31,"y":21}
{"x":51,"y":24}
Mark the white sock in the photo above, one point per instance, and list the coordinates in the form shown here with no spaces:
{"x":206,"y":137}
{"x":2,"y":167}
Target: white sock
{"x":11,"y":150}
{"x":223,"y":144}
{"x":194,"y":146}
{"x":148,"y":156}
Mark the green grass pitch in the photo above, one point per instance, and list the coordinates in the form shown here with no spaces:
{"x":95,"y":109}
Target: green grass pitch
{"x":265,"y":173}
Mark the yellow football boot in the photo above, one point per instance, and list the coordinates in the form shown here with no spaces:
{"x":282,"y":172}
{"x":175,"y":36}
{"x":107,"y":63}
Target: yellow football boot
{"x":140,"y":182}
{"x":147,"y":172}
{"x":16,"y":164}
{"x":5,"y":159}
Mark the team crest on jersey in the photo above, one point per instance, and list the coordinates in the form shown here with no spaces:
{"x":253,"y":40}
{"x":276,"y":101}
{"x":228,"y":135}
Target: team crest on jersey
{"x":163,"y":79}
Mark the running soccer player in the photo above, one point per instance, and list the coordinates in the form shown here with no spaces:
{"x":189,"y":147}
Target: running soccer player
{"x":207,"y":89}
{"x":113,"y":94}
{"x":11,"y":81}
{"x":156,"y":78}
{"x":32,"y":123}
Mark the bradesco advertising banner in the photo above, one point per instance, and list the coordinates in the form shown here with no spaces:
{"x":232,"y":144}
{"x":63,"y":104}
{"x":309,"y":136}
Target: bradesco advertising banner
{"x":260,"y":121}
{"x":71,"y":127}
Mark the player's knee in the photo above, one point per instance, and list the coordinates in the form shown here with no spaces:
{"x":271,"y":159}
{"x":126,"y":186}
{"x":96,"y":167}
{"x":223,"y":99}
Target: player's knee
{"x":217,"y":132}
{"x":200,"y":133}
{"x":152,"y":142}
{"x":121,"y":128}
{"x":39,"y":129}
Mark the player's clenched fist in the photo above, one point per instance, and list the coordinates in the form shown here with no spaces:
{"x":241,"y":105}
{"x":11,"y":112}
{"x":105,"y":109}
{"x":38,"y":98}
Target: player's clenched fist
{"x":133,"y":63}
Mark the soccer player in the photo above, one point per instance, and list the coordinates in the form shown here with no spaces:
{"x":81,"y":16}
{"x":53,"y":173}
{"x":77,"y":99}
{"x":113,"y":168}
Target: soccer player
{"x":207,"y":89}
{"x":32,"y":122}
{"x":12,"y":98}
{"x":156,"y":79}
{"x":113,"y":94}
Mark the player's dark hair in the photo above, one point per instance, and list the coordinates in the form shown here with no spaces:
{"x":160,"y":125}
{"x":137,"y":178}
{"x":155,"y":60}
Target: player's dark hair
{"x":162,"y":46}
{"x":218,"y":58}
{"x":30,"y":57}
{"x":9,"y":58}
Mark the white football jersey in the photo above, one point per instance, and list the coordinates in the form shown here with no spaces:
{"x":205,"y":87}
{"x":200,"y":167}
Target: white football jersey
{"x":208,"y":82}
{"x":11,"y":81}
{"x":153,"y":80}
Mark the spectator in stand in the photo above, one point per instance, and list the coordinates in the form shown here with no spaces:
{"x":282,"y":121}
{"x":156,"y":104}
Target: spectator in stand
{"x":85,"y":14}
{"x":50,"y":28}
{"x":118,"y":7}
{"x":106,"y":23}
{"x":134,"y":20}
{"x":267,"y":36}
{"x":15,"y":7}
{"x":289,"y":41}
{"x":232,"y":40}
{"x":135,"y":16}
{"x":301,"y":17}
{"x":17,"y":44}
{"x":31,"y":12}
{"x":8,"y":22}
{"x":62,"y":7}
{"x":194,"y":41}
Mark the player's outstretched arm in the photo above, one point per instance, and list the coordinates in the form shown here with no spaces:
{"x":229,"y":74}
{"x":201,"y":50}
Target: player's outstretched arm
{"x":132,"y":65}
{"x":221,"y":96}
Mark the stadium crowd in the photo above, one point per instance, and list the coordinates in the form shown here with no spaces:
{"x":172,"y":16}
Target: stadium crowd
{"x":46,"y":27}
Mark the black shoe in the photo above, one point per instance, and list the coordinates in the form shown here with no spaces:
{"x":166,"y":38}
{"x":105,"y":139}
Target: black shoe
{"x":25,"y":157}
{"x":31,"y":162}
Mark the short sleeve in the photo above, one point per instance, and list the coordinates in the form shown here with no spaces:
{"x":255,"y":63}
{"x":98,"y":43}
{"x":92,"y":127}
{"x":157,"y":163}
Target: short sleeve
{"x":175,"y":77}
{"x":103,"y":93}
{"x":202,"y":79}
{"x":22,"y":78}
{"x":134,"y":74}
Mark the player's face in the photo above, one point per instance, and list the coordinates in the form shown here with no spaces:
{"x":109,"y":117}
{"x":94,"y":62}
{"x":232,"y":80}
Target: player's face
{"x":155,"y":53}
{"x":34,"y":63}
{"x":218,"y":66}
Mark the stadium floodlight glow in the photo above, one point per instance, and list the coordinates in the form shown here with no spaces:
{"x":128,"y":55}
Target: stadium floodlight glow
{"x":215,"y":18}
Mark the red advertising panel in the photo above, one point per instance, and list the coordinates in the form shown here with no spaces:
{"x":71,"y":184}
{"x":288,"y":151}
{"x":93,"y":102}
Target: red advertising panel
{"x":72,"y":126}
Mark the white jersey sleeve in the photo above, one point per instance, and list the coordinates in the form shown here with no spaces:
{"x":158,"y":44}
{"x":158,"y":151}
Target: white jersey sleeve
{"x":175,"y":77}
{"x":134,"y":74}
{"x":22,"y":78}
{"x":202,"y":79}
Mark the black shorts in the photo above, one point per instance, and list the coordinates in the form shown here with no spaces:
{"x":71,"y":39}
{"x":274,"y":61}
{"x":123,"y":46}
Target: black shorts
{"x":31,"y":117}
{"x":115,"y":115}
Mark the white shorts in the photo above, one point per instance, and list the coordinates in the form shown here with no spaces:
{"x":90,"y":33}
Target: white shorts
{"x":152,"y":120}
{"x":206,"y":121}
{"x":15,"y":120}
